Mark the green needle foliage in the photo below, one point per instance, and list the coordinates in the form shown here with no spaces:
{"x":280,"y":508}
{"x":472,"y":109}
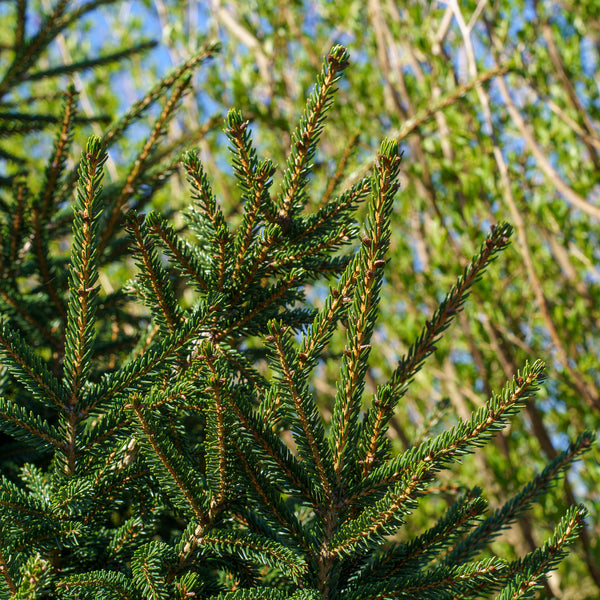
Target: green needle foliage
{"x":190,"y":458}
{"x":24,"y":93}
{"x":51,"y":299}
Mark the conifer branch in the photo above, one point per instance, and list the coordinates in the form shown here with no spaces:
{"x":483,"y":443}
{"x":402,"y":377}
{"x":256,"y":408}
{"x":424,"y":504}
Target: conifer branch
{"x":82,"y":303}
{"x":121,"y":457}
{"x":94,"y":582}
{"x":382,"y":517}
{"x":20,"y":24}
{"x":480,"y":577}
{"x":306,"y":135}
{"x":324,"y":323}
{"x":20,"y":307}
{"x":14,"y":231}
{"x":123,"y":536}
{"x":404,"y":559}
{"x":530,"y":571}
{"x":159,"y":445}
{"x":387,"y":396}
{"x":149,"y":570}
{"x":137,"y":110}
{"x":185,"y":256}
{"x":259,"y":313}
{"x":244,"y":160}
{"x":287,"y":469}
{"x":254,"y":179}
{"x":170,"y":461}
{"x":248,"y":229}
{"x":44,"y":205}
{"x":218,"y":432}
{"x":29,"y":52}
{"x":320,"y":330}
{"x":25,"y":425}
{"x":203,"y":195}
{"x":257,"y":260}
{"x":337,"y":302}
{"x":47,"y":270}
{"x":439,"y":451}
{"x":334,"y":210}
{"x":334,"y":181}
{"x":156,"y":287}
{"x":139,"y":165}
{"x":156,"y":357}
{"x":79,"y":333}
{"x":215,"y":232}
{"x":308,"y":432}
{"x":504,"y":516}
{"x":266,"y":593}
{"x":270,"y":500}
{"x":19,"y":504}
{"x":251,"y":545}
{"x":15,"y":123}
{"x":4,"y":569}
{"x":117,"y":130}
{"x":363,"y":308}
{"x":78,"y":67}
{"x":243,"y":366}
{"x":311,"y":256}
{"x":29,"y":369}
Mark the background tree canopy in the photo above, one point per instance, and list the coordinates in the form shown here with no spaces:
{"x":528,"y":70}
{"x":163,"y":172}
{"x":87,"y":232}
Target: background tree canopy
{"x":496,"y":106}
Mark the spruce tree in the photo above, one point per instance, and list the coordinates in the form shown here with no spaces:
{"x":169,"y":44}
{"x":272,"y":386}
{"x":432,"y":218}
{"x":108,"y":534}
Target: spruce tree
{"x":496,"y":108}
{"x":176,"y":450}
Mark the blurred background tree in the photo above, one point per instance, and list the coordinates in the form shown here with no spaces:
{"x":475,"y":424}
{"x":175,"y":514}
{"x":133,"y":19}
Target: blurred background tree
{"x":497,"y":108}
